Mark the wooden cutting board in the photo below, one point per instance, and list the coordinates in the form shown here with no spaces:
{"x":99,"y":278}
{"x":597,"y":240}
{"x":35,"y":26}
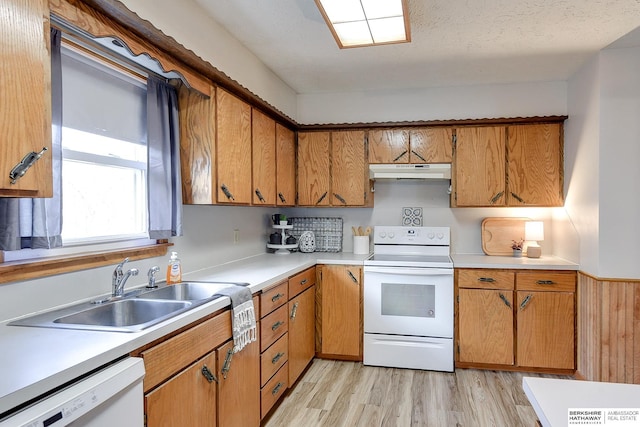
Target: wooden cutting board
{"x":497,"y":234}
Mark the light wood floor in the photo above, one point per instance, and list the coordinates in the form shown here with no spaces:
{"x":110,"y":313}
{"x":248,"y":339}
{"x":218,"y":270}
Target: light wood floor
{"x":335,"y":393}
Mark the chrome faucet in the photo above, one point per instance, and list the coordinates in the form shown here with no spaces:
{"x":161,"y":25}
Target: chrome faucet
{"x":119,"y":278}
{"x":151,"y":274}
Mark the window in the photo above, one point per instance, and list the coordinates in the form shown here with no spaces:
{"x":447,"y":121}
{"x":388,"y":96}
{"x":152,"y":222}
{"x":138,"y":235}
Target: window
{"x":104,"y":185}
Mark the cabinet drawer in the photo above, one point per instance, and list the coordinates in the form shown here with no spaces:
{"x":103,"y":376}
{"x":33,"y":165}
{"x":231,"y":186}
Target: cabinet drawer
{"x":273,"y":358}
{"x":302,"y":281}
{"x":172,"y":355}
{"x":273,"y":298}
{"x":485,"y":279}
{"x":273,"y":327}
{"x":546,"y":281}
{"x":274,"y":389}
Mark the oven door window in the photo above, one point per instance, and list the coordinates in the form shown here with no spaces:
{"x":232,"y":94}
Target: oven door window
{"x":410,"y":300}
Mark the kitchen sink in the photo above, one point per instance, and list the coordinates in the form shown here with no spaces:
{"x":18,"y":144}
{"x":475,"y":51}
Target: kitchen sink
{"x":125,"y":313}
{"x":186,"y":291}
{"x":134,"y":312}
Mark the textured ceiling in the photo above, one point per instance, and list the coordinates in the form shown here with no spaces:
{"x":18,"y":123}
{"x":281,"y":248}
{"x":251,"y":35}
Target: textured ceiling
{"x":454,"y":42}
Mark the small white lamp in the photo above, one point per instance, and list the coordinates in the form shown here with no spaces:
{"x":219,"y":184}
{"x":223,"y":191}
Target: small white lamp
{"x":534,"y":232}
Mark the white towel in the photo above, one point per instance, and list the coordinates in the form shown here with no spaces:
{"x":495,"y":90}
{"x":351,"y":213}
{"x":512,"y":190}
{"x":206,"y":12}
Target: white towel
{"x":244,"y":316}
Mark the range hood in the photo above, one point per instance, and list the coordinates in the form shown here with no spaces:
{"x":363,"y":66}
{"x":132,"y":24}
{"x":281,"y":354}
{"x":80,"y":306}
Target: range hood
{"x":407,"y":171}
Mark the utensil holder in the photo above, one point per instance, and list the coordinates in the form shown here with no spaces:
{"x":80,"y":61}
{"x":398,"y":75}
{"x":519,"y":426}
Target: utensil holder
{"x":360,"y":244}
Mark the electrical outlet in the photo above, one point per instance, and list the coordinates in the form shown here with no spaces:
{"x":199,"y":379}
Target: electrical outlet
{"x":236,"y":236}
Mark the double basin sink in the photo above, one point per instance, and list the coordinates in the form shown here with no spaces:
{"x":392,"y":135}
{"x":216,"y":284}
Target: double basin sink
{"x":135,"y":311}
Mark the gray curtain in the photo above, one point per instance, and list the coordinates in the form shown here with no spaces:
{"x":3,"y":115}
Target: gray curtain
{"x":163,"y":169}
{"x":37,"y":223}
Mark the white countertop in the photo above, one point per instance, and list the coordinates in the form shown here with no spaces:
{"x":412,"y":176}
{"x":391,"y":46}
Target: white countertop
{"x":545,"y":262}
{"x":35,"y":360}
{"x":552,"y":398}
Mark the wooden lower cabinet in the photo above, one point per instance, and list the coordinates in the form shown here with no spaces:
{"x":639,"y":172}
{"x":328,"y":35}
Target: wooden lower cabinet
{"x":485,"y":326}
{"x":238,"y":385}
{"x":187,"y":399}
{"x":340,"y":315}
{"x":516,"y":319}
{"x":302,"y":322}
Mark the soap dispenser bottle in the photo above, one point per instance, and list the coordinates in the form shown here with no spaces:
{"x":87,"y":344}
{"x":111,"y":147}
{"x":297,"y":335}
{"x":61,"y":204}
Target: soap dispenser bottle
{"x":174,"y":269}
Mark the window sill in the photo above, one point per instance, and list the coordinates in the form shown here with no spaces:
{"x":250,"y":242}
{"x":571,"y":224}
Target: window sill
{"x":36,"y":268}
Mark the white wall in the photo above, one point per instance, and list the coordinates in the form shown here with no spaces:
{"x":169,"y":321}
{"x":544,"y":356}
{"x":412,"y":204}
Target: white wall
{"x":460,"y":102}
{"x":190,"y":25}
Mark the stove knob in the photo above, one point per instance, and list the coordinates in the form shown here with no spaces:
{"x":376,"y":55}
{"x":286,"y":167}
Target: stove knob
{"x":382,"y":234}
{"x":430,"y":236}
{"x":440,"y":236}
{"x":391,"y":235}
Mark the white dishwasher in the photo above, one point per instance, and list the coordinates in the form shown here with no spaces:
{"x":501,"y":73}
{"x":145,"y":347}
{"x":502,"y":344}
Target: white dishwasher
{"x":110,"y":397}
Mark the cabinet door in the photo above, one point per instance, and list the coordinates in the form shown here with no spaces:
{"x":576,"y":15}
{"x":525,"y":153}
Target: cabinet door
{"x":535,"y":165}
{"x":197,"y":146}
{"x":341,"y":315}
{"x":546,"y":331}
{"x":348,"y":168}
{"x":263,"y":159}
{"x":286,"y":166}
{"x":388,"y":146}
{"x":431,"y":145}
{"x":313,"y":168}
{"x":188,"y":399}
{"x":234,"y":149}
{"x":25,"y":103}
{"x":485,"y":329}
{"x":480,"y":167}
{"x":302,"y":339}
{"x":239,"y":386}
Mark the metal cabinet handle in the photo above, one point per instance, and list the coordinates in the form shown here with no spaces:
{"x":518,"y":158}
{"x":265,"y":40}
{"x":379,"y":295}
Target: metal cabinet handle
{"x":226,"y":367}
{"x":303,"y":281}
{"x":276,"y":358}
{"x":486,"y":279}
{"x":294,"y":310}
{"x":352,"y":277}
{"x":259,"y":194}
{"x":208,"y":374}
{"x":518,"y":198}
{"x":545,"y":282}
{"x":400,"y":156}
{"x":340,"y":198}
{"x":23,"y":166}
{"x":525,"y":301}
{"x":277,"y":388}
{"x":277,"y":325}
{"x":282,"y":199}
{"x":505,"y":300}
{"x":418,"y":155}
{"x":276,"y":297}
{"x":496,"y":197}
{"x":226,"y":192}
{"x":321,"y":198}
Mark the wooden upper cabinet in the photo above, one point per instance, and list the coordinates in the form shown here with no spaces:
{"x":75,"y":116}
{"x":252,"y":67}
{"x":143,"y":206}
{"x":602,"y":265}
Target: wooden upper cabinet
{"x":348,"y":168}
{"x":286,"y":166}
{"x":25,"y":103}
{"x":431,"y":145}
{"x":535,"y":165}
{"x":233,"y":149}
{"x":314,"y":168}
{"x":479,"y":167}
{"x":388,"y":146}
{"x":264,"y":159}
{"x":197,"y":146}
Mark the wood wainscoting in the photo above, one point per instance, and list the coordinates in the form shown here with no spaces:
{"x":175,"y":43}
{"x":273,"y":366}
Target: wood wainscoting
{"x":608,"y":329}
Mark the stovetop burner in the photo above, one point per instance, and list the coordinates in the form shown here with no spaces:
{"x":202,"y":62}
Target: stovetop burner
{"x":398,"y":246}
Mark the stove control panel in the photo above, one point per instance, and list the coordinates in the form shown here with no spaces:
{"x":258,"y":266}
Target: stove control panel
{"x":400,"y":235}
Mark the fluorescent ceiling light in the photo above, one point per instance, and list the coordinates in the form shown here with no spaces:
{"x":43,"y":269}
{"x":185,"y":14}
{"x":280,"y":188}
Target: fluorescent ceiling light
{"x":356,"y":23}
